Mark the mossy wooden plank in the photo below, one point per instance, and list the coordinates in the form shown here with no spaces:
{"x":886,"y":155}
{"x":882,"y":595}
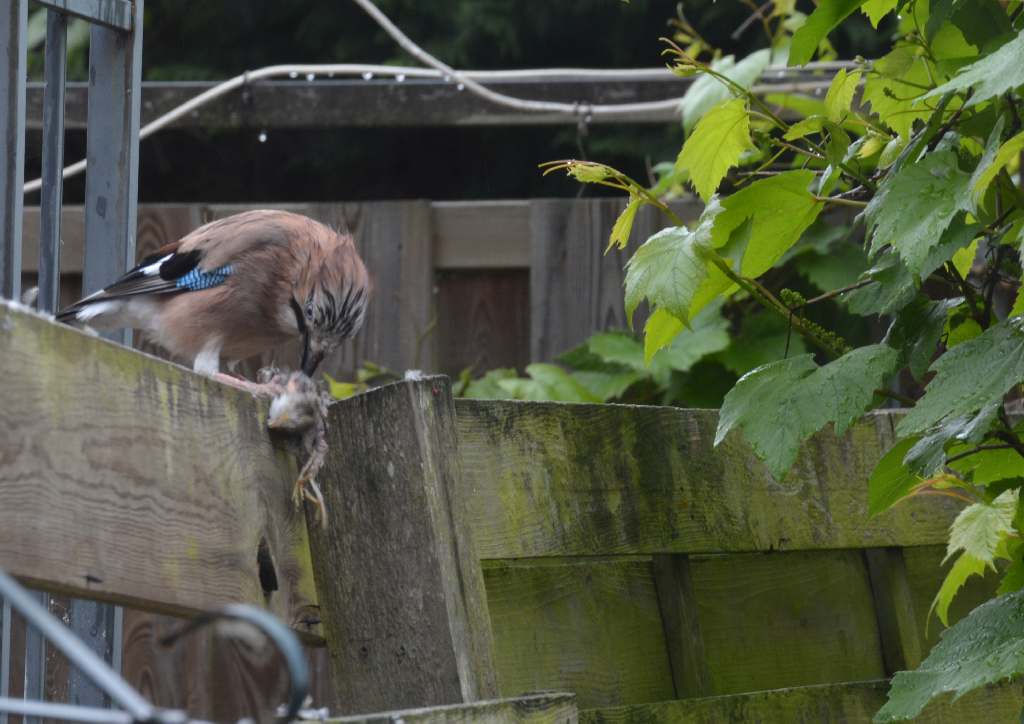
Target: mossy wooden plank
{"x":925,"y":573}
{"x":550,"y":479}
{"x":776,"y":620}
{"x":831,"y":704}
{"x":401,"y":593}
{"x":546,"y":708}
{"x":683,"y":638}
{"x":894,"y":609}
{"x":589,"y":626}
{"x":127,"y":479}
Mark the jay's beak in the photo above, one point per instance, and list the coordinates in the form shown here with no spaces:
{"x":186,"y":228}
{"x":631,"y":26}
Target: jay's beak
{"x":311,"y":358}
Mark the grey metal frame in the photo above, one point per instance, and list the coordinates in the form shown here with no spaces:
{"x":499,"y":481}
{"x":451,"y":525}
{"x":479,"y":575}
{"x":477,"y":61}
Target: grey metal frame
{"x":115,"y":72}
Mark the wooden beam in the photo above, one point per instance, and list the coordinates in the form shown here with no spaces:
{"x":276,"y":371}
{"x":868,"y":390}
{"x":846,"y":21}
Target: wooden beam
{"x":328,"y":103}
{"x":894,"y":608}
{"x":830,"y":704}
{"x":459,"y":235}
{"x":400,"y":588}
{"x":546,"y":708}
{"x":682,"y":629}
{"x":131,"y":480}
{"x":556,"y":479}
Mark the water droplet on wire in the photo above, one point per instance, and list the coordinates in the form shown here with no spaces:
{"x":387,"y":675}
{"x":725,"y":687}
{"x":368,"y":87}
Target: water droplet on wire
{"x":367,"y":75}
{"x":460,"y":87}
{"x":262,"y":137}
{"x":293,"y":74}
{"x":310,"y":76}
{"x":400,"y":77}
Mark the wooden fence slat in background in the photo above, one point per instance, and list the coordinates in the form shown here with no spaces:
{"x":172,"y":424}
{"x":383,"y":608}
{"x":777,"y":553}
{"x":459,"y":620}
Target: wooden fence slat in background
{"x":400,"y":589}
{"x":557,"y":479}
{"x":679,"y":620}
{"x":127,"y":479}
{"x":546,"y":708}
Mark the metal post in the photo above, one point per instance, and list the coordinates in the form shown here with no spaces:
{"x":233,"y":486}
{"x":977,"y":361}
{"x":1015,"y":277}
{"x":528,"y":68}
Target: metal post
{"x":13,"y":61}
{"x":35,"y":659}
{"x":53,"y":161}
{"x":111,"y":185}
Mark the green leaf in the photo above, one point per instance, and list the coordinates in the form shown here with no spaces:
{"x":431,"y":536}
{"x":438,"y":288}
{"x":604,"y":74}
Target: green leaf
{"x":669,"y":268}
{"x":991,"y":76}
{"x":619,"y":347}
{"x":716,"y":145}
{"x":979,"y":528}
{"x":895,"y":288}
{"x":970,"y":376}
{"x":891,"y":481}
{"x":965,"y":567}
{"x":1008,"y":152}
{"x":963,"y":259}
{"x":821,"y":22}
{"x":624,"y":224}
{"x":709,"y":334}
{"x":929,"y":453}
{"x":780,"y":404}
{"x":893,"y":85}
{"x":985,"y":647}
{"x":706,"y":92}
{"x":914,"y":206}
{"x":762,"y":339}
{"x":548,"y":382}
{"x":607,"y":385}
{"x":661,"y":328}
{"x":878,"y":9}
{"x":809,"y":125}
{"x":487,"y":387}
{"x":963,"y":332}
{"x":780,"y":208}
{"x":916,"y":332}
{"x":840,"y":94}
{"x":987,"y":466}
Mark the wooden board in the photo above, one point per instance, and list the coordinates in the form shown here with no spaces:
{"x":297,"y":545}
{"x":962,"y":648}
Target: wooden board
{"x":481,"y":234}
{"x":546,"y":708}
{"x":401,"y":594}
{"x":127,"y":479}
{"x":483,"y":318}
{"x":774,"y":620}
{"x":587,"y":626}
{"x":925,"y":573}
{"x":556,"y":479}
{"x":831,"y":704}
{"x":575,"y":285}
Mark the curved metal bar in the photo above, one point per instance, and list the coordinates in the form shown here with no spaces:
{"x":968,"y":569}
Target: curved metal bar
{"x":280,"y":635}
{"x":80,"y":655}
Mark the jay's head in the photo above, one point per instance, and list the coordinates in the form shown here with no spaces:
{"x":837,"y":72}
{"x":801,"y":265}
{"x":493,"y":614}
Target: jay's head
{"x":329,"y":302}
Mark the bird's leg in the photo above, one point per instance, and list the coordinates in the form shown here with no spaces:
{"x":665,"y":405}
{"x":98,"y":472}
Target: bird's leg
{"x":253,"y":388}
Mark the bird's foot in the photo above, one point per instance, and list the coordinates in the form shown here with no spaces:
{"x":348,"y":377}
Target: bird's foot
{"x":253,"y":388}
{"x":307,"y":489}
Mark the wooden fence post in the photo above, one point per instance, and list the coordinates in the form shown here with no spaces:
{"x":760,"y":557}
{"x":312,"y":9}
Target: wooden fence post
{"x":400,"y":587}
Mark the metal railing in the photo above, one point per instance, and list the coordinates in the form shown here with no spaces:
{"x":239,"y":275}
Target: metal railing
{"x":115,"y":65}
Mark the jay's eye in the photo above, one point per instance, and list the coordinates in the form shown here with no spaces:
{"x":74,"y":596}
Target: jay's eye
{"x":309,"y":311}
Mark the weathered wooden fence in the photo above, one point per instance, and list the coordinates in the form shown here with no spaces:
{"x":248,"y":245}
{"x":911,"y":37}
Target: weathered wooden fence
{"x":475,"y":549}
{"x":456,"y":284}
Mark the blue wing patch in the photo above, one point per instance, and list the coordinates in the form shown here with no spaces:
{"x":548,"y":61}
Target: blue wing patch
{"x":197,"y":280}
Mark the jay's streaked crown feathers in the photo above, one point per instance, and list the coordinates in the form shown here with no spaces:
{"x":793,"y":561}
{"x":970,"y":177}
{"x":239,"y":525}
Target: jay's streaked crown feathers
{"x":237,"y":287}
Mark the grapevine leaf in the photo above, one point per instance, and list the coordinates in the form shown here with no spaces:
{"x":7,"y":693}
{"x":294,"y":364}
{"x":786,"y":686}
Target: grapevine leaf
{"x":805,"y":396}
{"x":963,"y":259}
{"x":708,"y":334}
{"x":979,"y":528}
{"x":970,"y":376}
{"x":987,"y":466}
{"x":840,"y":94}
{"x":487,"y":387}
{"x":984,"y":176}
{"x":878,"y":9}
{"x":894,"y":289}
{"x":667,"y":270}
{"x":914,"y":206}
{"x":780,"y":209}
{"x":716,"y":145}
{"x":618,"y":347}
{"x":706,"y":92}
{"x":660,"y":330}
{"x":893,"y":85}
{"x":624,"y":224}
{"x":991,"y":76}
{"x":606,"y":385}
{"x":891,"y":481}
{"x":929,"y":453}
{"x":821,"y":22}
{"x":916,"y":332}
{"x":805,"y":127}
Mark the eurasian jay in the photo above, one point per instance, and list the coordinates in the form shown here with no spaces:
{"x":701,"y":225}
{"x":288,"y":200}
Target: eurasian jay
{"x":237,"y":287}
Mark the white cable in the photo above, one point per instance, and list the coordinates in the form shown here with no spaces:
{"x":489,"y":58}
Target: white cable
{"x":467,"y":79}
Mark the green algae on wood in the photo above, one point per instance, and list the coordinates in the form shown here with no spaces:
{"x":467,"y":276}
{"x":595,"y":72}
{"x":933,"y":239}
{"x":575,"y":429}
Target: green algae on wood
{"x":550,"y":479}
